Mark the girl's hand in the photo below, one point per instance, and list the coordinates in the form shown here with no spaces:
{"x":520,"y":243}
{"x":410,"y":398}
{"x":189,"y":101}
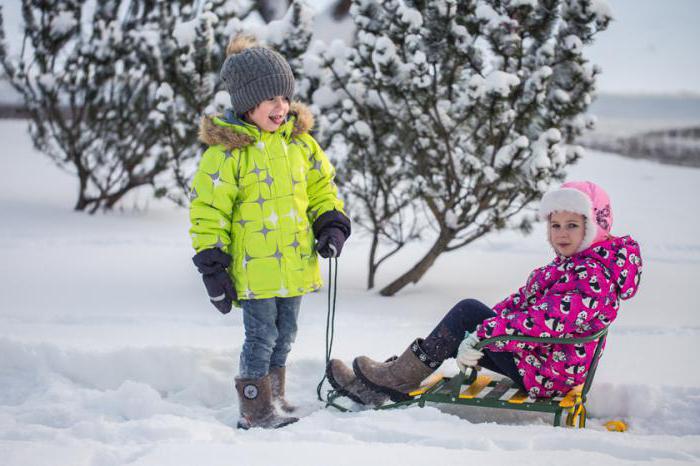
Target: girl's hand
{"x":467,"y":355}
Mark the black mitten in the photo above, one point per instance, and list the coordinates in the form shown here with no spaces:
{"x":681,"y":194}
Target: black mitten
{"x":331,"y":230}
{"x":330,"y":242}
{"x":212,"y":264}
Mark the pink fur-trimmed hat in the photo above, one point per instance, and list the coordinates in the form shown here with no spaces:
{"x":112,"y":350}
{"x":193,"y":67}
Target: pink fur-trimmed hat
{"x":585,"y":198}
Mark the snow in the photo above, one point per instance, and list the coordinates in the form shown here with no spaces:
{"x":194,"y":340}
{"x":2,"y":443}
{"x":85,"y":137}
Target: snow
{"x":505,"y":154}
{"x":384,"y":51}
{"x":327,"y":28}
{"x":62,"y":23}
{"x":562,"y":96}
{"x":419,"y":58}
{"x":497,"y":82}
{"x":111,"y":353}
{"x":221,"y":100}
{"x":411,"y":17}
{"x":362,"y":129}
{"x":573,"y":43}
{"x":325,"y":96}
{"x":185,"y":32}
{"x":530,"y":3}
{"x":486,"y":13}
{"x":47,"y":80}
{"x":601,"y":9}
{"x":165,"y":92}
{"x":276,"y":31}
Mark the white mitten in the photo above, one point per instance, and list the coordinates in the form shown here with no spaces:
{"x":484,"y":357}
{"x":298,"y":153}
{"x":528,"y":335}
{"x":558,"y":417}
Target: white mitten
{"x":467,"y":355}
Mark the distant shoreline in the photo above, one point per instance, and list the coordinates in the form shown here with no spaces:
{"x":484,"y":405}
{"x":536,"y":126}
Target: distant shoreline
{"x":675,"y":107}
{"x":664,"y":128}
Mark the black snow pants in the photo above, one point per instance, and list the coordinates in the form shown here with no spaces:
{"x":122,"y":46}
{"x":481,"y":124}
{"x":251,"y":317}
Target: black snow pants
{"x":443,"y":341}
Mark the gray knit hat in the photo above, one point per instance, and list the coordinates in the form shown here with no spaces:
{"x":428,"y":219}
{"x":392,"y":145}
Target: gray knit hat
{"x":252,"y":74}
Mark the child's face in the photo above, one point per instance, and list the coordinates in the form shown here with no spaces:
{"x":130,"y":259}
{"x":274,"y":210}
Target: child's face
{"x":270,"y":114}
{"x":566,"y":231}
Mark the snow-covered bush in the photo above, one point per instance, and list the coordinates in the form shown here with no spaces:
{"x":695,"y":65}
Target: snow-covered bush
{"x":196,"y":84}
{"x":460,"y":112}
{"x":115,"y":89}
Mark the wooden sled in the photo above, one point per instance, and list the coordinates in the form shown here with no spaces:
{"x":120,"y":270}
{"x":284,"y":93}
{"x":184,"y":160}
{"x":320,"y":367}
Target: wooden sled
{"x":480,"y":390}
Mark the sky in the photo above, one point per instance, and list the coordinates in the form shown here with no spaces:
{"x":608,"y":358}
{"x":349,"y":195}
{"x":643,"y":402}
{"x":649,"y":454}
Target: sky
{"x":651,"y":47}
{"x":648,"y":49}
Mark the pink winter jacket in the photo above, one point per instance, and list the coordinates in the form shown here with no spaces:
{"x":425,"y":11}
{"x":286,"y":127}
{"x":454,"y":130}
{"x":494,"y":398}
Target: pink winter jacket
{"x":569,"y":297}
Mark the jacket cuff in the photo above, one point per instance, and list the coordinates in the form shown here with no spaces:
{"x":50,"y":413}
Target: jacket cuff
{"x":335,"y":219}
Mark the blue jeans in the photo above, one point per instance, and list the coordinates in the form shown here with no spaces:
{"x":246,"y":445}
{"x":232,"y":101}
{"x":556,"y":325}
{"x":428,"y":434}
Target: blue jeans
{"x":270,"y":329}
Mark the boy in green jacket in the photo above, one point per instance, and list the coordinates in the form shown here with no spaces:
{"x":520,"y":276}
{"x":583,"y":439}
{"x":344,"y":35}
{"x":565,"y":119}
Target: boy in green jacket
{"x":263,"y":204}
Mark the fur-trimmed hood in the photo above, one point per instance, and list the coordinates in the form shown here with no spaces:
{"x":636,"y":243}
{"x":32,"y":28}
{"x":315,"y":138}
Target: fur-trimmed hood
{"x":214,"y":133}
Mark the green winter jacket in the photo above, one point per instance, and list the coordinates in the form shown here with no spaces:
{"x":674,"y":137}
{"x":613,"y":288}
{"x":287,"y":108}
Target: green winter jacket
{"x":256,"y":195}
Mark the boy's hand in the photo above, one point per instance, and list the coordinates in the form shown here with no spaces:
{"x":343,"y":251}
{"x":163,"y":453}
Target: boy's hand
{"x":330,"y":242}
{"x":212,"y":264}
{"x":331,"y":229}
{"x":220,"y":289}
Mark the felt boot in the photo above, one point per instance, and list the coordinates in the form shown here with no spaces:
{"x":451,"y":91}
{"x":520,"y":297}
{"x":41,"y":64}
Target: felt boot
{"x":396,"y":378}
{"x":277,"y":381}
{"x":344,"y":381}
{"x":255,"y":396}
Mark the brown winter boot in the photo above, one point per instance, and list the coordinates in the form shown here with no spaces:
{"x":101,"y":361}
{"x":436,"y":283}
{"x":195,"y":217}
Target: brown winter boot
{"x":344,"y":381}
{"x":255,"y":396}
{"x":277,"y":376}
{"x":399,"y":377}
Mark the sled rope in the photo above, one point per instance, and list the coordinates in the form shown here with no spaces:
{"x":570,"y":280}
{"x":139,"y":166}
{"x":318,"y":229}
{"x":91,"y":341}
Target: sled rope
{"x":330,"y":317}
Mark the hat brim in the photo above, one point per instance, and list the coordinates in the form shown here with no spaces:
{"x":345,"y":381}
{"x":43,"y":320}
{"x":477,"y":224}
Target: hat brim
{"x":571,"y":200}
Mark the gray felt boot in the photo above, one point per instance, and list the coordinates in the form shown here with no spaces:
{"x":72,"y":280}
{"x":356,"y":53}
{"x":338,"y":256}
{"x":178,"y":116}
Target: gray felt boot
{"x":344,"y":381}
{"x":399,"y":377}
{"x":255,"y":396}
{"x":277,"y":381}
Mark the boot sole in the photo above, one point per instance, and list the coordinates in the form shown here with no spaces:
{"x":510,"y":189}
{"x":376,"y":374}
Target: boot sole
{"x":338,"y":388}
{"x":394,"y":395}
{"x":290,"y":420}
{"x":287,"y":409}
{"x":286,"y":423}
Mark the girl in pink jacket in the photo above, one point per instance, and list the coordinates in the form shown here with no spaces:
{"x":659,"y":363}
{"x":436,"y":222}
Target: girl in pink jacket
{"x":575,"y":295}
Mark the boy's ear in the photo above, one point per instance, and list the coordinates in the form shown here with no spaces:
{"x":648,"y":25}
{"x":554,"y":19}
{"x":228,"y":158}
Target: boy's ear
{"x":246,"y":115}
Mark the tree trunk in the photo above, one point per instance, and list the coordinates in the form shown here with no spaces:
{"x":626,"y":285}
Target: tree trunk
{"x":372,"y":260}
{"x":268,"y":9}
{"x":111,"y":200}
{"x":82,"y":201}
{"x":81,"y":204}
{"x":418,"y":270}
{"x":341,"y":9}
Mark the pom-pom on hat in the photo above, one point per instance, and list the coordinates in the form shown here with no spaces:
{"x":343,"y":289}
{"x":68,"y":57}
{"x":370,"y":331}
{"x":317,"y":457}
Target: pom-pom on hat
{"x":253,"y":74}
{"x":585,"y":198}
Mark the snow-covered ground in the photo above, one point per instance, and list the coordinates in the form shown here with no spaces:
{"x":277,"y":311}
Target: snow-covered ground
{"x":110,"y":353}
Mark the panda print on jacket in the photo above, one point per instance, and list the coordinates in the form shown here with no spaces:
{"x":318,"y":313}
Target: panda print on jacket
{"x":570,"y":297}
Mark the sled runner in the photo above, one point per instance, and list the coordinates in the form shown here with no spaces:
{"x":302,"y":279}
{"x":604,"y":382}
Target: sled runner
{"x":481,"y":390}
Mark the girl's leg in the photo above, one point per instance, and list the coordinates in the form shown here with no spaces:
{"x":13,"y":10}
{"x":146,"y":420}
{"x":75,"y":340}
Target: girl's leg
{"x":443,"y":341}
{"x":502,"y":362}
{"x":260,"y":323}
{"x":287,"y":315}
